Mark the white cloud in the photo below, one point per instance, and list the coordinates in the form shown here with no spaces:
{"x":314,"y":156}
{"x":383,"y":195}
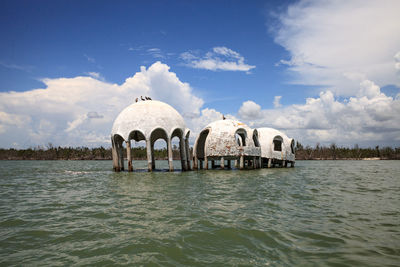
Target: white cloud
{"x":80,"y":111}
{"x":330,"y":41}
{"x":220,"y":58}
{"x":249,"y":110}
{"x":277,"y":100}
{"x":369,"y":118}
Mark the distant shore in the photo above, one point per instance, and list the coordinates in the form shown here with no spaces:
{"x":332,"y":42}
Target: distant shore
{"x":139,"y":153}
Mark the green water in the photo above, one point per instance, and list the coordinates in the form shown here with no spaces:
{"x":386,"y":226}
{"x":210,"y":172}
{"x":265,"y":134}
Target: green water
{"x":320,"y":213}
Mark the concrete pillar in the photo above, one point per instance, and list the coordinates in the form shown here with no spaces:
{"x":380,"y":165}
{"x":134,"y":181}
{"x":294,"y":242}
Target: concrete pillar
{"x":292,"y":164}
{"x":153,"y":160}
{"x":170,"y":158}
{"x":128,"y":155}
{"x":115,"y":156}
{"x":201,"y":164}
{"x":149,"y":155}
{"x":205,"y":163}
{"x":254,"y":162}
{"x":285,"y":163}
{"x":121,"y":157}
{"x":229,"y":163}
{"x":222,"y":163}
{"x":195,"y":163}
{"x":187,"y":154}
{"x":241,"y":162}
{"x":259,"y":163}
{"x":236,"y":163}
{"x":269,"y":163}
{"x":182,"y":150}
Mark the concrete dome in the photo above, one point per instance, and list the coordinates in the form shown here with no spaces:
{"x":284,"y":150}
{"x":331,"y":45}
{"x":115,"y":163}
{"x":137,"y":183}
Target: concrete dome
{"x":147,"y":116}
{"x":267,"y":137}
{"x":227,"y":138}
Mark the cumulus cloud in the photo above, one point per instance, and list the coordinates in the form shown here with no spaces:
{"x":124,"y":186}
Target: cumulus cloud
{"x":220,"y":58}
{"x":80,"y":111}
{"x":338,"y":44}
{"x":249,"y":110}
{"x":369,"y":117}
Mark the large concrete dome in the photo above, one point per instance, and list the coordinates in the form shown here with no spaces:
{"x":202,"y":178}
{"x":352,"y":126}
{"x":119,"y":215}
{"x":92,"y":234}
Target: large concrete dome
{"x":226,"y":140}
{"x":149,"y":120}
{"x":145,"y":117}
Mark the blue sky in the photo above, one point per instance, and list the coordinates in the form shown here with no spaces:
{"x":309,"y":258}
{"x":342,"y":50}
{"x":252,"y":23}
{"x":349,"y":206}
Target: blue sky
{"x":321,"y":71}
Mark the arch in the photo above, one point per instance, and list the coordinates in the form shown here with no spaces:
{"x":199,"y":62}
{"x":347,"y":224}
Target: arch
{"x":177,"y":132}
{"x":255,"y":138}
{"x":200,"y":145}
{"x":241,"y":136}
{"x":136,"y":135}
{"x":158,"y":133}
{"x":277,"y":141}
{"x":292,"y":146}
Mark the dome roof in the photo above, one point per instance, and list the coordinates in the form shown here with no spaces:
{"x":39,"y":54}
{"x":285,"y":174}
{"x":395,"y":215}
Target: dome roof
{"x":266,"y":137}
{"x":219,"y":139}
{"x":146,"y":116}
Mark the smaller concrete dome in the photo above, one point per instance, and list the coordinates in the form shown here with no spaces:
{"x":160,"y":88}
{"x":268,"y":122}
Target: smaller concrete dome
{"x":145,"y":117}
{"x":227,"y":138}
{"x":275,"y":144}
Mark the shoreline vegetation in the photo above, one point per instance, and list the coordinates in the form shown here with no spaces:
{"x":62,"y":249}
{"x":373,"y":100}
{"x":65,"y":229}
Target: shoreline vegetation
{"x":139,"y":153}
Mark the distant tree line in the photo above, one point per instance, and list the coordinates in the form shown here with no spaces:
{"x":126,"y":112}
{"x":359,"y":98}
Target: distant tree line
{"x":334,"y":152}
{"x":79,"y":153}
{"x":318,"y":152}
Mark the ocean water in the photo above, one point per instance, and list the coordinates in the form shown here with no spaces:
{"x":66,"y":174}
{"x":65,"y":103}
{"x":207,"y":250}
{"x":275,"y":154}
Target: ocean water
{"x":320,"y":213}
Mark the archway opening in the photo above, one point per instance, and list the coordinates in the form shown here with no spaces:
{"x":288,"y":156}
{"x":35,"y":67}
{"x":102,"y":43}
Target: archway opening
{"x":255,"y":138}
{"x":240,"y":137}
{"x":200,"y":146}
{"x":159,"y":148}
{"x":278,"y":143}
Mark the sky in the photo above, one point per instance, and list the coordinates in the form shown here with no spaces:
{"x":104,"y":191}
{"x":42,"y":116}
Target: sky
{"x":320,"y":71}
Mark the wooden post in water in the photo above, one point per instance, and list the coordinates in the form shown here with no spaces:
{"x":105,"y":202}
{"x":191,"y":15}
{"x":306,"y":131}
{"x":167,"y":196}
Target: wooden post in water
{"x":222,"y":163}
{"x":205,"y":163}
{"x":269,"y":163}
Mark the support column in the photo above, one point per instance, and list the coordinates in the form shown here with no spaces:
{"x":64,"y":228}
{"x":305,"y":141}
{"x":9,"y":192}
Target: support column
{"x":170,"y":158}
{"x":292,"y":165}
{"x":269,"y":163}
{"x":182,"y":150}
{"x":205,"y":163}
{"x":195,"y":163}
{"x":229,"y":163}
{"x":187,"y":154}
{"x":213,"y":164}
{"x":153,"y":160}
{"x":259,"y":163}
{"x":285,"y":163}
{"x":149,"y":155}
{"x":201,"y":164}
{"x":121,"y":157}
{"x":115,"y":156}
{"x":222,"y":163}
{"x":241,"y":162}
{"x":128,"y":155}
{"x":254,"y":162}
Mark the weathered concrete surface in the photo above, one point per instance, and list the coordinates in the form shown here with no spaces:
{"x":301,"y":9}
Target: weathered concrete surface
{"x":149,"y":120}
{"x":266,"y":139}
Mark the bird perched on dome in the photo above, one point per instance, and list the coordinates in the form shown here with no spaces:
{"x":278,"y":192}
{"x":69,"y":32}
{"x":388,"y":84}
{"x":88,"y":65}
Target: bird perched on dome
{"x":141,"y":97}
